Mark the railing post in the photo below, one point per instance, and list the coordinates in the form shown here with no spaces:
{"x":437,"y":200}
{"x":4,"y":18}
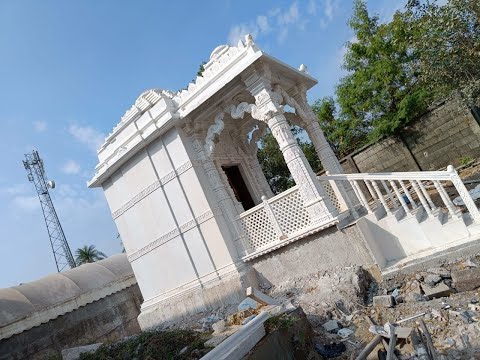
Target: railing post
{"x":422,"y":198}
{"x":370,"y":190}
{"x":400,"y":198}
{"x":407,"y":194}
{"x":273,"y":220}
{"x":360,"y":195}
{"x":464,"y":194}
{"x":446,"y":199}
{"x":341,"y":199}
{"x":380,"y":196}
{"x":427,"y":196}
{"x":389,"y":194}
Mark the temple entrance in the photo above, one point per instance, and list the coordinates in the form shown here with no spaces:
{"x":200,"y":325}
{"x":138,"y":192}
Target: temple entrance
{"x":238,"y":186}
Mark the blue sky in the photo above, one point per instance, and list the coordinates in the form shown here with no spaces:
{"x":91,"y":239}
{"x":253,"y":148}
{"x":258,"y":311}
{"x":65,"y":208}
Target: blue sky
{"x":70,"y":69}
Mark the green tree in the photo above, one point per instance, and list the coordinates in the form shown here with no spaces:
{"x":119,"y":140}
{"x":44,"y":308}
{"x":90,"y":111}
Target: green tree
{"x":381,"y":92}
{"x":273,"y":164}
{"x":201,"y":68}
{"x":88,"y":254}
{"x":447,"y":41}
{"x":344,"y":133}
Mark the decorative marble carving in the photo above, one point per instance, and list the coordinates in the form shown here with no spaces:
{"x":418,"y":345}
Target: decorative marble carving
{"x":221,"y":58}
{"x":269,"y":108}
{"x":144,"y":102}
{"x":213,"y":132}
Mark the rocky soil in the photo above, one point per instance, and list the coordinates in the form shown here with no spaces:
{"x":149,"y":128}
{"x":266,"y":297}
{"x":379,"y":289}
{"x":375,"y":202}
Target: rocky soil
{"x":337,"y":304}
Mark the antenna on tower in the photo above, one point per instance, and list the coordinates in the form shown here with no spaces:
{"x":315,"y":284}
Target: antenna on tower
{"x":36,"y":174}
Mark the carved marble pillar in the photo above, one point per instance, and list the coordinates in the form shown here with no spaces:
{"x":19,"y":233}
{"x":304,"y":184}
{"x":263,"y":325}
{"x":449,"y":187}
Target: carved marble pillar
{"x":315,"y":200}
{"x":268,"y":109}
{"x":327,"y":157}
{"x":260,"y":178}
{"x":225,"y":202}
{"x":252,"y":149}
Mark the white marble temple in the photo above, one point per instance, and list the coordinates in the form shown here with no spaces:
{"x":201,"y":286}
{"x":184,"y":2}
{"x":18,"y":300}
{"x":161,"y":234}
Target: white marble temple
{"x":170,"y":171}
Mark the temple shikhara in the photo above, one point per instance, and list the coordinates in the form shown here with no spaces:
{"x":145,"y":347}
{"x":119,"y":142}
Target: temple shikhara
{"x":197,"y":216}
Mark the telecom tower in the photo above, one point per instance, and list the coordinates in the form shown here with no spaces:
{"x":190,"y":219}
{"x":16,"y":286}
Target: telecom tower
{"x":36,"y":174}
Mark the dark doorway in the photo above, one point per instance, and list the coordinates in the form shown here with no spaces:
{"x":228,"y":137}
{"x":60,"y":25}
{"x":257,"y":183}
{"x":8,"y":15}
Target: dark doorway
{"x":239,"y":187}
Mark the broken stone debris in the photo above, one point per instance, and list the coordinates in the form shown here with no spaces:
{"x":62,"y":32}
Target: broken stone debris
{"x":345,"y":332}
{"x":331,"y":326}
{"x":432,"y":279}
{"x":219,"y":326}
{"x":466,"y":279}
{"x":388,"y":334}
{"x":260,"y":298}
{"x":248,"y":309}
{"x":383,"y":301}
{"x":248,"y":303}
{"x":440,"y":290}
{"x":412,"y":291}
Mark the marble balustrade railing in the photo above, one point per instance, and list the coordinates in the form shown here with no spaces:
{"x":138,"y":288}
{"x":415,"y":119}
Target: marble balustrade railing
{"x":409,"y":190}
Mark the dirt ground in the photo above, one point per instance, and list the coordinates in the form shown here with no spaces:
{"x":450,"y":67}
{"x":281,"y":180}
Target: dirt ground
{"x":454,"y":336}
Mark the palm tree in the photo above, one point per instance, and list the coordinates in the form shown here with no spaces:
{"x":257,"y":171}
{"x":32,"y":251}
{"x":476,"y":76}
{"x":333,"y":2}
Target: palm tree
{"x":88,"y":254}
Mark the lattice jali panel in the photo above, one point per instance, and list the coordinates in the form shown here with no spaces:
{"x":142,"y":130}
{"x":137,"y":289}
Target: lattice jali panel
{"x":258,"y":229}
{"x":331,"y":194}
{"x":290,"y":213}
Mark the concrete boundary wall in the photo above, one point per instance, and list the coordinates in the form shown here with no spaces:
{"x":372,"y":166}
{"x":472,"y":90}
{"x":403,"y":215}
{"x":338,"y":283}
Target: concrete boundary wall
{"x":109,"y":319}
{"x":441,"y":137}
{"x":31,"y":304}
{"x":90,"y":303}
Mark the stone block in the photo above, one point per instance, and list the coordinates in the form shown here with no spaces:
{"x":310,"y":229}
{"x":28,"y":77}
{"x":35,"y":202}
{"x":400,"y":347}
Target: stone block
{"x":74,"y":353}
{"x":444,"y":273}
{"x":432,"y":279}
{"x":441,"y":290}
{"x":466,"y":279}
{"x":219,"y":326}
{"x":412,"y":291}
{"x":260,"y":297}
{"x":331,"y":326}
{"x":248,"y":303}
{"x":383,"y":301}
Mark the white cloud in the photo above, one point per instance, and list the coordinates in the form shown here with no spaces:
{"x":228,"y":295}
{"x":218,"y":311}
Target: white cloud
{"x":276,"y":20}
{"x":262,"y":22}
{"x":40,"y":126}
{"x":66,"y":190}
{"x":71,"y":167}
{"x":328,"y":8}
{"x":237,"y":32}
{"x":312,"y":7}
{"x":87,"y":135}
{"x":26,"y":203}
{"x":15,"y":189}
{"x":291,"y":16}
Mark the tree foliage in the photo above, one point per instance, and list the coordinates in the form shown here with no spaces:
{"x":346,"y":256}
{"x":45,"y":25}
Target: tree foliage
{"x":88,"y":254}
{"x":381,"y":92}
{"x":344,"y":134}
{"x":273,"y":164}
{"x":447,"y":41}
